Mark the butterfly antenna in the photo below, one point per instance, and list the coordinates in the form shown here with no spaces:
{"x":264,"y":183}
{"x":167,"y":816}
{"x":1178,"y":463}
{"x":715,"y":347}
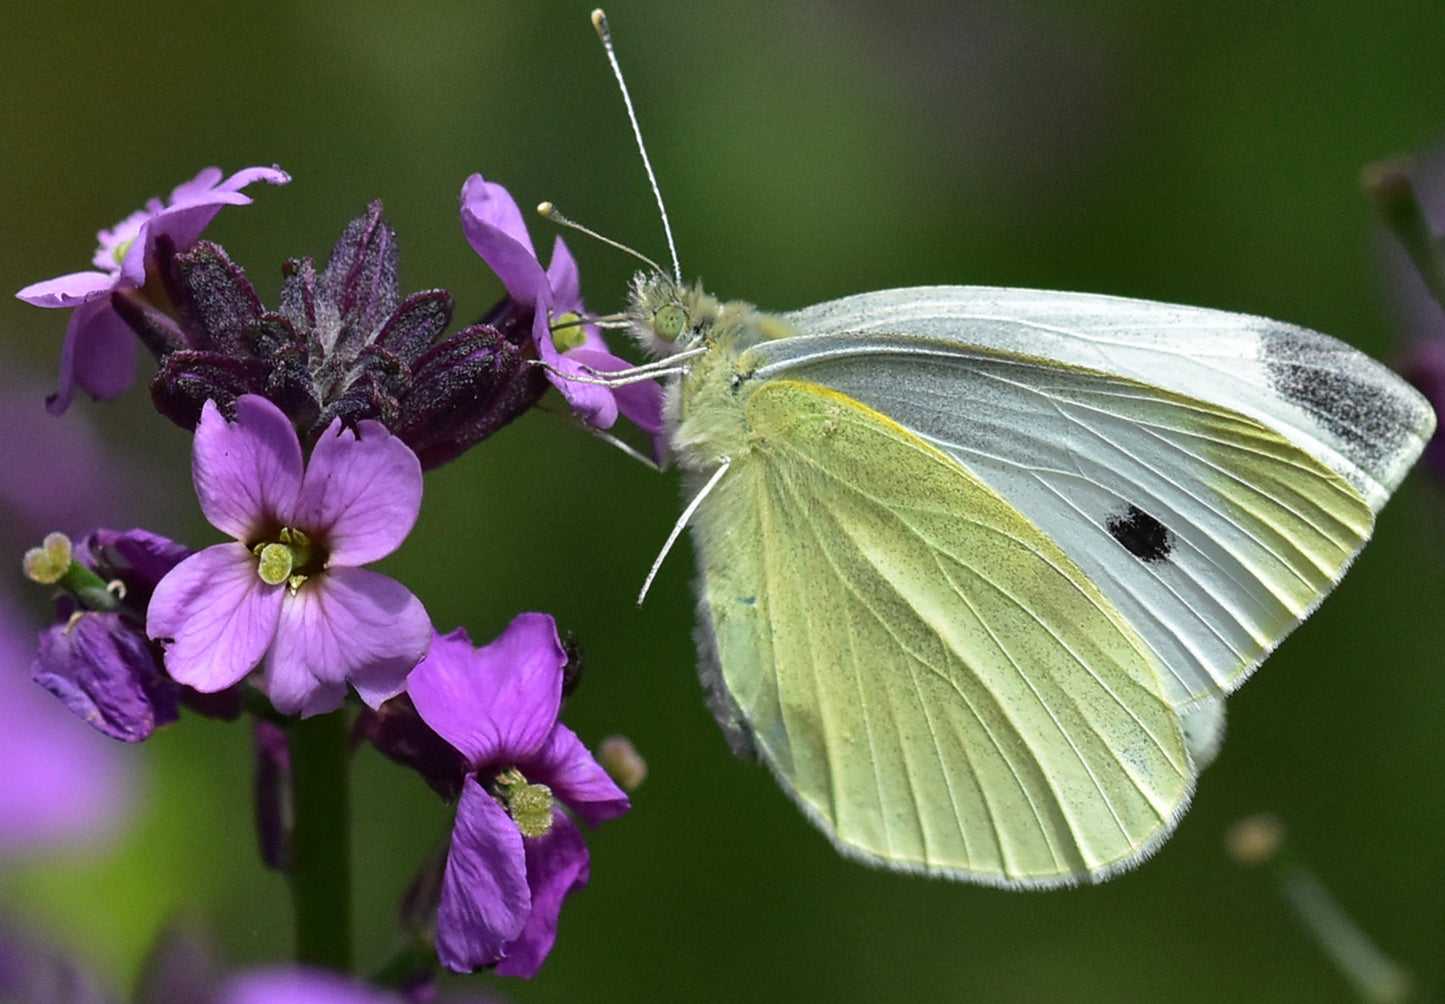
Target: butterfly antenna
{"x":599,"y":22}
{"x":550,"y":212}
{"x":717,"y":476}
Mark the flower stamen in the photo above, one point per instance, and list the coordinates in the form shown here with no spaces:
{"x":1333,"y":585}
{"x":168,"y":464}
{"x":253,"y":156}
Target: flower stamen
{"x":287,"y":559}
{"x":529,"y":805}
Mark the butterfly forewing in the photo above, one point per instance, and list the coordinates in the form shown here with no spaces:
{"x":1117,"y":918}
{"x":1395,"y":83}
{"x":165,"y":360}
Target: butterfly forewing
{"x":1211,"y":532}
{"x":1335,"y":403}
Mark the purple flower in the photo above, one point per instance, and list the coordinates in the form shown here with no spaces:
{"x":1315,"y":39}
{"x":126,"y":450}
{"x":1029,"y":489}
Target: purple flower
{"x":515,"y":854}
{"x":288,"y":589}
{"x":493,"y":224}
{"x":99,"y":355}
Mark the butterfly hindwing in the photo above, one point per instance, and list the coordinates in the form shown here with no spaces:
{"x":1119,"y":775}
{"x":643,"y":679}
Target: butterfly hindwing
{"x":934,"y":679}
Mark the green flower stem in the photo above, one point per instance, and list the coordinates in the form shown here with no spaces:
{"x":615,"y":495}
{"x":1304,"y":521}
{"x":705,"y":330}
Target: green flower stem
{"x":321,"y":841}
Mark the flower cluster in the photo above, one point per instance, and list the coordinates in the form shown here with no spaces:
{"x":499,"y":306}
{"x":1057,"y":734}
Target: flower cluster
{"x":313,"y":423}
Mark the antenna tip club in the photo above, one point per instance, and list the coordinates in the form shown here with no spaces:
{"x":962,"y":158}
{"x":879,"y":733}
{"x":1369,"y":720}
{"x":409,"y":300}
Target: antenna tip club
{"x":599,"y":23}
{"x":546,"y":209}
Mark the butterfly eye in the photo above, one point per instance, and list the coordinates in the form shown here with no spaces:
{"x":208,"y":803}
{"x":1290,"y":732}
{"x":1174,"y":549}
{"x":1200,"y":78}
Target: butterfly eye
{"x":668,"y":322}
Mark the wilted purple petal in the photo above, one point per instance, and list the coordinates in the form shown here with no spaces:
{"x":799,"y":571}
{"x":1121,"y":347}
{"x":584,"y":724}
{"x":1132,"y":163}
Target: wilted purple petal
{"x":494,"y":227}
{"x":498,"y":702}
{"x":485,"y":898}
{"x":247,"y":473}
{"x":218,"y":614}
{"x":348,"y":623}
{"x":557,"y":863}
{"x":105,"y":672}
{"x":362,"y":494}
{"x":567,"y":767}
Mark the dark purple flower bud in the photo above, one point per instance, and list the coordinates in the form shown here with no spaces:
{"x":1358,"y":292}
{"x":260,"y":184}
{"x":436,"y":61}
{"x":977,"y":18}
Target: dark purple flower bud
{"x":220,"y":306}
{"x":188,"y":379}
{"x":417,"y":323}
{"x":463,"y":390}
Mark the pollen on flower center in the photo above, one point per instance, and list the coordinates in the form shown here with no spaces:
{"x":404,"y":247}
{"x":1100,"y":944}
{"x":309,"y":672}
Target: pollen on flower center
{"x":530,"y":805}
{"x":287,"y":559}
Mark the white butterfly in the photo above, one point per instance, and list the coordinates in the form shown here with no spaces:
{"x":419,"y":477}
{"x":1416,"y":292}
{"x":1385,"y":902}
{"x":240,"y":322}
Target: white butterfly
{"x":978,"y":566}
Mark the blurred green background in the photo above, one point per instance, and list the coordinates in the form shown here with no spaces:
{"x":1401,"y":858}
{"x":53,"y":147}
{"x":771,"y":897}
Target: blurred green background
{"x":1199,"y":153}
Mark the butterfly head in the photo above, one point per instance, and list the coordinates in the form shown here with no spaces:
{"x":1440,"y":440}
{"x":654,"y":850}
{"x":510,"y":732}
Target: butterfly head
{"x":667,"y":318}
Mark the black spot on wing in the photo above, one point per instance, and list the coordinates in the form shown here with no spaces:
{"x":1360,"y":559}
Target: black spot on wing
{"x":1142,"y":535}
{"x":1347,"y":393}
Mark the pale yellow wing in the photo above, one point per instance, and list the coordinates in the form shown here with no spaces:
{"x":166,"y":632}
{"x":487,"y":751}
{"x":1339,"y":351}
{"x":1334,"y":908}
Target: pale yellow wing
{"x":933,"y":680}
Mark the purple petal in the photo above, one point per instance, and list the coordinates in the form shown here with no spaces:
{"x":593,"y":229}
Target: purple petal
{"x":192,"y":206}
{"x":219,"y":616}
{"x":496,"y":703}
{"x":566,"y":766}
{"x":640,"y":402}
{"x":247,"y":473}
{"x":345,"y":624}
{"x":557,"y":863}
{"x":204,"y":181}
{"x":99,"y":356}
{"x":104,"y":350}
{"x":105,"y":672}
{"x":592,"y":403}
{"x":141,"y":557}
{"x":485,"y":898}
{"x":493,"y":225}
{"x":183,"y":224}
{"x":361,"y":496}
{"x":272,"y":175}
{"x":562,"y":276}
{"x":68,"y":290}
